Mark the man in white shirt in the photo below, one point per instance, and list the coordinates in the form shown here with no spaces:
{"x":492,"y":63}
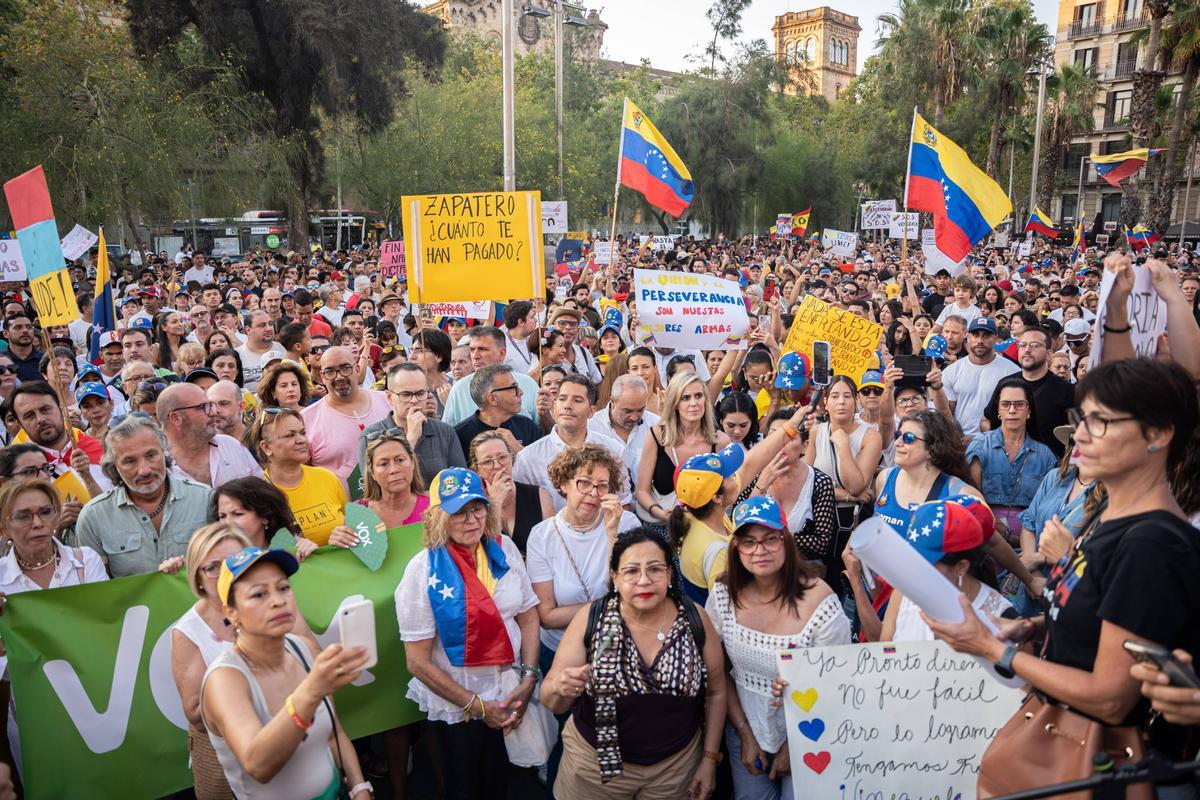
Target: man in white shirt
{"x":566,"y":320}
{"x":573,"y":407}
{"x":1069,"y":296}
{"x":260,"y":344}
{"x":970,"y":381}
{"x":486,"y":344}
{"x":200,"y":453}
{"x":331,"y":304}
{"x":520,"y":320}
{"x":199,"y":271}
{"x":625,"y":418}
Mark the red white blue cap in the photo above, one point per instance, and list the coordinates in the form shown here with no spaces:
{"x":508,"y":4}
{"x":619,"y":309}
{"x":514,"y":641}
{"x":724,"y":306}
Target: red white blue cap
{"x":236,"y":565}
{"x":940,"y":527}
{"x":108,"y":338}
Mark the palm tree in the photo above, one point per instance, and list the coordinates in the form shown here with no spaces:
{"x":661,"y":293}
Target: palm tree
{"x":1180,"y":45}
{"x":929,"y":40}
{"x":1012,"y":42}
{"x":1070,"y":110}
{"x":1146,"y":81}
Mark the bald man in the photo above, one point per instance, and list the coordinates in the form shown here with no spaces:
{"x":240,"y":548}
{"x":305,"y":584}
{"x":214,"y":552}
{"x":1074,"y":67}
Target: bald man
{"x":335,"y":423}
{"x":188,"y":418}
{"x":230,"y":406}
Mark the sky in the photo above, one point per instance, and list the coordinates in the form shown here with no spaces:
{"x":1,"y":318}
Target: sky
{"x":668,"y":32}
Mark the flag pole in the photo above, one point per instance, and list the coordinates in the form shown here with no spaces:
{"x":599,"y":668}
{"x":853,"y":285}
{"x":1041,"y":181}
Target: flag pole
{"x":907,"y":176}
{"x":612,"y":237}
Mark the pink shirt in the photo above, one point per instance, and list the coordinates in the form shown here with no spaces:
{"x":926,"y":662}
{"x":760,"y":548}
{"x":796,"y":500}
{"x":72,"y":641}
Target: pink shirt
{"x":333,"y":436}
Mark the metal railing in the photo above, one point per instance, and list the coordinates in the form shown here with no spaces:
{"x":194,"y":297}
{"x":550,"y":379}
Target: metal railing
{"x":1129,"y":23}
{"x":1124,"y":68}
{"x":1080,"y":28}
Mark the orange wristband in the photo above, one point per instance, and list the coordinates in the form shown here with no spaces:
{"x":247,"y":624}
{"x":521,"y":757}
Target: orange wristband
{"x":301,"y":724}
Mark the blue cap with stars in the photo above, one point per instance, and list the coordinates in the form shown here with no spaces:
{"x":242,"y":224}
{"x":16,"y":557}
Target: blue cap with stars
{"x":454,"y":487}
{"x":792,"y":372}
{"x":940,"y":527}
{"x":763,"y":511}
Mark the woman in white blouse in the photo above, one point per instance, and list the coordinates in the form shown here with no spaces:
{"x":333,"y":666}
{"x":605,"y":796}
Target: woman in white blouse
{"x":767,"y":601}
{"x":29,"y":509}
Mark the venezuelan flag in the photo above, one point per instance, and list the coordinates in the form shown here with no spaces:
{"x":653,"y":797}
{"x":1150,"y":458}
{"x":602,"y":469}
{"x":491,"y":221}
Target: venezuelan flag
{"x":1039,"y":222}
{"x":104,"y":314}
{"x":1140,"y":237}
{"x":800,"y":222}
{"x":966,"y":204}
{"x":1079,"y":242}
{"x":1119,"y":166}
{"x":650,"y":165}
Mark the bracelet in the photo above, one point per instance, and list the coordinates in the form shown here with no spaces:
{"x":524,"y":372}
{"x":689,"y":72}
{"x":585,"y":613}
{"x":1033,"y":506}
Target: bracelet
{"x":365,"y":786}
{"x":530,"y":671}
{"x":791,"y":432}
{"x":466,"y":710}
{"x":714,"y":757}
{"x":1126,"y":329}
{"x":301,"y":724}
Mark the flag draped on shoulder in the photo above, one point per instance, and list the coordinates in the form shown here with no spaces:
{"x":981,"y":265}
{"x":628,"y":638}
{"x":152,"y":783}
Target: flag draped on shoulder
{"x":650,"y":165}
{"x":966,"y":204}
{"x":1116,"y":167}
{"x":1039,"y":222}
{"x":104,"y":314}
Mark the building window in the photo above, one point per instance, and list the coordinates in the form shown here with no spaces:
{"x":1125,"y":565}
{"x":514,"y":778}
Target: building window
{"x":1087,"y":59}
{"x":790,"y":52}
{"x":810,"y":49}
{"x":1068,"y":208}
{"x":1118,"y":107}
{"x":837,"y":91}
{"x":1127,"y":54}
{"x":1110,"y":207}
{"x":1085,"y":16}
{"x":1131,"y":9}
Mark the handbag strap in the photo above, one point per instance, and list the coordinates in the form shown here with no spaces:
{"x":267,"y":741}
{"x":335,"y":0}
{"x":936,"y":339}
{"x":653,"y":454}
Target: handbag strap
{"x":571,"y":558}
{"x":337,"y":738}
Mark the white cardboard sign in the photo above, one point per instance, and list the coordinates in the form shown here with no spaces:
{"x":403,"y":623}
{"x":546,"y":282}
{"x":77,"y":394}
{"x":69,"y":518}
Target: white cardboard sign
{"x":12,"y":265}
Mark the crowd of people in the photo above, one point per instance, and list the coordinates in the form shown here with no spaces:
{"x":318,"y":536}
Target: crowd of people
{"x":639,"y":529}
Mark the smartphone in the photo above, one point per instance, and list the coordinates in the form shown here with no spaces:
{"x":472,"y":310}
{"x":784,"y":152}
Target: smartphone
{"x":1180,"y":674}
{"x":357,"y":625}
{"x":820,"y":364}
{"x":914,"y":367}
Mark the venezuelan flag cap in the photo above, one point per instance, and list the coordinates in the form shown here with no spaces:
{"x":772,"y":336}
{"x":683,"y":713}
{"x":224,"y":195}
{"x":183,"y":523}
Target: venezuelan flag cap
{"x":793,"y":371}
{"x":454,"y":487}
{"x":941,"y":527}
{"x":698,"y":479}
{"x":979,"y":509}
{"x":236,"y":565}
{"x":763,"y":511}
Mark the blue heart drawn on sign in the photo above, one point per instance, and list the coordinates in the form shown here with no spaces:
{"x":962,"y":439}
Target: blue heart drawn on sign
{"x":812,"y":728}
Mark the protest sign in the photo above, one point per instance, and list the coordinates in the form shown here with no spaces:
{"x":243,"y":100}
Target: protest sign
{"x":98,"y":703}
{"x":1147,"y":314}
{"x":899,"y":719}
{"x":602,"y":252}
{"x":840,"y":243}
{"x":554,"y":216}
{"x":1000,"y":239}
{"x":783,"y":225}
{"x":928,"y":237}
{"x":471,"y":310}
{"x":78,"y":242}
{"x":391,"y":260}
{"x":663,"y":243}
{"x":1024,"y":249}
{"x":33,"y":217}
{"x":877,"y":214}
{"x":852,"y":339}
{"x":12,"y":265}
{"x":936,"y":260}
{"x":679,"y":309}
{"x":481,"y":246}
{"x":903,"y":225}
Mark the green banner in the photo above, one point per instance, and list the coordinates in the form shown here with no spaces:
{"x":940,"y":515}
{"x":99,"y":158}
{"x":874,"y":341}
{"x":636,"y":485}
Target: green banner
{"x":95,"y":700}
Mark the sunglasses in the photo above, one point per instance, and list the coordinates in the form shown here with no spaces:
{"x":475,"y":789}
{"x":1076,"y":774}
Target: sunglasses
{"x":8,"y":369}
{"x":871,"y":391}
{"x":908,"y":437}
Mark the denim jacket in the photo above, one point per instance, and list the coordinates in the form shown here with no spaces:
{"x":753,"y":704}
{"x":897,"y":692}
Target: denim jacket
{"x":1008,"y":483}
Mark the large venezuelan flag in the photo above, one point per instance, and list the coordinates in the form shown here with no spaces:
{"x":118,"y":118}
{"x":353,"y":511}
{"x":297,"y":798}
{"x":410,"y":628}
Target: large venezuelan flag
{"x":1039,"y":222}
{"x":651,"y":166}
{"x":1117,"y":167}
{"x":104,"y":313}
{"x":966,"y":204}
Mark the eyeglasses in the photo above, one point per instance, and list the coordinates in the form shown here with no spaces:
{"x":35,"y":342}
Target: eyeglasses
{"x":1096,"y":425}
{"x":911,"y":400}
{"x":417,"y":394}
{"x":477,"y":510}
{"x":318,"y":349}
{"x":1031,"y":346}
{"x":772,"y":541}
{"x":208,"y":406}
{"x":33,"y":472}
{"x":157,"y":386}
{"x":655,"y":572}
{"x":871,"y":391}
{"x":212,"y":569}
{"x":908,"y":437}
{"x":1015,"y":404}
{"x":513,"y":388}
{"x":587,"y":487}
{"x":495,"y":461}
{"x":47,"y":514}
{"x":1076,"y":342}
{"x":343,"y":370}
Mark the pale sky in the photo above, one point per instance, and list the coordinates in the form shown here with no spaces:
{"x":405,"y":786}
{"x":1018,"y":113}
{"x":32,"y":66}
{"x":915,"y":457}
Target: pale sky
{"x":669,"y":31}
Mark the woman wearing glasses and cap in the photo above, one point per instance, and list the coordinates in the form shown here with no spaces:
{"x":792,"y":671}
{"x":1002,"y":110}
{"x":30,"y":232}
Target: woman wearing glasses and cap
{"x":469,"y":577}
{"x":265,"y":701}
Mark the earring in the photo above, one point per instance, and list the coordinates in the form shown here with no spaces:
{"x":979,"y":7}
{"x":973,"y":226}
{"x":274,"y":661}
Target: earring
{"x":960,"y":581}
{"x":1153,"y":448}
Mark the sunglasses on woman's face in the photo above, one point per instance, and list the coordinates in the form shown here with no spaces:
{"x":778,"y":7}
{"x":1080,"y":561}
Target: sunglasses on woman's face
{"x":908,"y":437}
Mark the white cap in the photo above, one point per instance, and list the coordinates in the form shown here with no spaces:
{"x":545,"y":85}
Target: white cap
{"x":1077,"y":329}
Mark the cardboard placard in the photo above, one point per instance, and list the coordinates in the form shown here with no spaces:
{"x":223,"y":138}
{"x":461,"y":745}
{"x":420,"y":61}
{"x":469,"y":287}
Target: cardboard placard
{"x":852,"y":339}
{"x":679,"y":309}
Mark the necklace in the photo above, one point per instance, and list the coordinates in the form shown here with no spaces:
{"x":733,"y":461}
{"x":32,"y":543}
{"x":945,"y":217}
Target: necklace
{"x":662,"y":637}
{"x":161,"y":503}
{"x":53,"y":559}
{"x":578,"y":528}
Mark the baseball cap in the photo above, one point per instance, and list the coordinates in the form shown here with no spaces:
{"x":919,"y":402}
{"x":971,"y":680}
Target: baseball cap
{"x":89,"y":369}
{"x":698,"y":479}
{"x":763,"y":511}
{"x":109,"y":338}
{"x":454,"y":487}
{"x":200,"y":372}
{"x":935,"y":345}
{"x":940,"y":527}
{"x":131,"y":299}
{"x":337,"y":276}
{"x":226,"y":308}
{"x":1076,"y":329}
{"x":792,"y":371}
{"x":91,"y":389}
{"x":140,"y":324}
{"x":871,"y":377}
{"x":986,"y":324}
{"x":979,"y":510}
{"x":236,"y":565}
{"x":1070,"y":290}
{"x":613,"y":319}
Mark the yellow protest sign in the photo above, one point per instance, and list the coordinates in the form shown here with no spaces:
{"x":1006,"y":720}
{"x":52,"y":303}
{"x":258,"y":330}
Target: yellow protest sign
{"x":481,"y":246}
{"x":852,"y":340}
{"x":54,"y":298}
{"x":579,"y":235}
{"x":70,"y":487}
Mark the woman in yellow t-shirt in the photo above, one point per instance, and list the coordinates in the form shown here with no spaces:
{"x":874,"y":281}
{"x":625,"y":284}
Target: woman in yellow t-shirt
{"x":316,"y":496}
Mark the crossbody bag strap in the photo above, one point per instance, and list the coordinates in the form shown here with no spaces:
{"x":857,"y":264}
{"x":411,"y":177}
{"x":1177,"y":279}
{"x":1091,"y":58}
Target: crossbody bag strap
{"x":571,"y":559}
{"x":337,"y":739}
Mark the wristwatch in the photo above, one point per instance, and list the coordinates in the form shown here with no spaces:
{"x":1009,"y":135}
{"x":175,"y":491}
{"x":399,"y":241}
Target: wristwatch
{"x":1004,"y":665}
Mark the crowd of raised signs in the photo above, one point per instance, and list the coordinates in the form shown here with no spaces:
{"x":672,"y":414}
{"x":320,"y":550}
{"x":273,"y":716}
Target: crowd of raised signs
{"x":617,"y":537}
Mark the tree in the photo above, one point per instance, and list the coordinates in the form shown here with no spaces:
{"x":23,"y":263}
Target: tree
{"x":726,"y":19}
{"x":1146,"y":81}
{"x":1181,"y":47}
{"x":1070,"y":107}
{"x":926,"y":41}
{"x":305,"y":57}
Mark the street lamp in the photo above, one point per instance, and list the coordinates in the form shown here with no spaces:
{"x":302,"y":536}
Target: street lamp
{"x":508,"y":95}
{"x":561,"y":18}
{"x":1039,"y":70}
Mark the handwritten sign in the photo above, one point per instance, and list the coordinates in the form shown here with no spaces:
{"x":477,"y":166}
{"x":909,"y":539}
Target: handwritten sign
{"x":481,"y":246}
{"x":783,"y":225}
{"x":904,"y":226}
{"x":877,"y":214}
{"x":840,"y":243}
{"x":554,"y":216}
{"x":602,"y":252}
{"x":679,"y":309}
{"x":928,"y":237}
{"x":33,"y":217}
{"x":469,"y":310}
{"x":1147,"y":314}
{"x":391,"y":260}
{"x":78,"y":242}
{"x":852,"y":339}
{"x":906,"y":719}
{"x":12,"y":265}
{"x":662,"y":244}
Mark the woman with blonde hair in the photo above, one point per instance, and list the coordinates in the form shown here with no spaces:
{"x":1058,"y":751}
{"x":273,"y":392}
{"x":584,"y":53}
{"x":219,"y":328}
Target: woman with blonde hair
{"x":285,"y":384}
{"x":519,"y":505}
{"x":688,"y":428}
{"x":394,"y":488}
{"x":467,"y":686}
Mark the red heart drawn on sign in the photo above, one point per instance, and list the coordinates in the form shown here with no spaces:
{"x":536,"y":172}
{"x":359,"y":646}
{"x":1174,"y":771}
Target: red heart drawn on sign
{"x":817,"y":762}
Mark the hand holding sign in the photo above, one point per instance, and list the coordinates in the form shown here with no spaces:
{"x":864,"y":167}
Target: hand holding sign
{"x":371,"y":547}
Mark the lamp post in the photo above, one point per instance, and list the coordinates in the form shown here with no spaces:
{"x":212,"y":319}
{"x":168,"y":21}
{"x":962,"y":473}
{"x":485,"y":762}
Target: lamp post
{"x":507,"y":94}
{"x":1037,"y":135}
{"x":561,"y":19}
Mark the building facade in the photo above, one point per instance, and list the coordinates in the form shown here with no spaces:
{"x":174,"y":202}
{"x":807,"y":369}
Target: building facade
{"x":1097,"y":34}
{"x":535,"y":32}
{"x":821,"y":42}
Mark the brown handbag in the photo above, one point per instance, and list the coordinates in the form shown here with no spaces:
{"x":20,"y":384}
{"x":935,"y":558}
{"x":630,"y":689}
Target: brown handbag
{"x":1046,"y":743}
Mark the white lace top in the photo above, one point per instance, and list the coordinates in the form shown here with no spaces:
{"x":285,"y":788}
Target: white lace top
{"x":753,"y":655}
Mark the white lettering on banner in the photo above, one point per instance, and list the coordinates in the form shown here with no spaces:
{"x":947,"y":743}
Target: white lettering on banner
{"x":906,"y":719}
{"x":678,"y":309}
{"x":480,"y":309}
{"x":904,"y":225}
{"x":840,"y":243}
{"x":554,"y":216}
{"x":12,"y":264}
{"x":1147,"y":314}
{"x":877,"y":214}
{"x":77,"y":242}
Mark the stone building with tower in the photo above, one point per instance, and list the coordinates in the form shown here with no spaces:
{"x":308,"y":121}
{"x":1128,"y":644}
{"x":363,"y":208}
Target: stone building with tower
{"x":823,"y":40}
{"x":534,"y":31}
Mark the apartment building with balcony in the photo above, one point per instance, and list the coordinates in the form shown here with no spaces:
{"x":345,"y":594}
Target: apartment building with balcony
{"x":1097,"y":34}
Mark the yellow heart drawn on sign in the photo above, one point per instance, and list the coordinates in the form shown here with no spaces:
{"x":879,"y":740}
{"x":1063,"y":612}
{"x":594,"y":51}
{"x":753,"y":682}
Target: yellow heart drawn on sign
{"x":806,"y":699}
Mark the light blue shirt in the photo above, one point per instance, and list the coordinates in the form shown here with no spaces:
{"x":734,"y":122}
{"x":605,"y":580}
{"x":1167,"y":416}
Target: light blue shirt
{"x":1008,"y":483}
{"x":1051,"y":499}
{"x":460,"y":406}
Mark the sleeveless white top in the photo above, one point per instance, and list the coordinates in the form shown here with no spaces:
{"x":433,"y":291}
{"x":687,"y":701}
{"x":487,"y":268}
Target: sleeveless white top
{"x":193,"y":626}
{"x":310,"y":770}
{"x":826,"y":459}
{"x":911,"y":628}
